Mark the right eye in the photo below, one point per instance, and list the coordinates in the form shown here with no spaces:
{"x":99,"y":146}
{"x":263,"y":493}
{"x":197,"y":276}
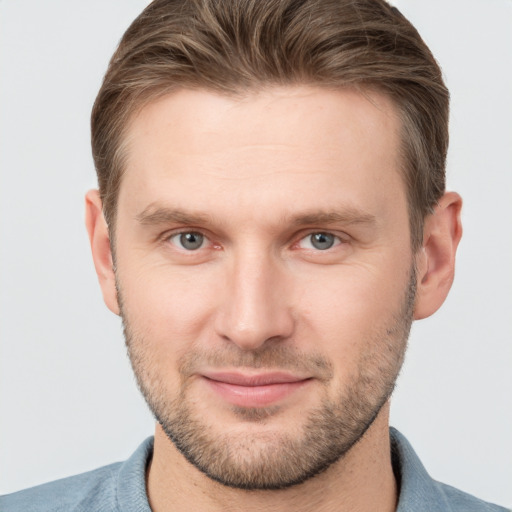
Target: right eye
{"x":188,"y":240}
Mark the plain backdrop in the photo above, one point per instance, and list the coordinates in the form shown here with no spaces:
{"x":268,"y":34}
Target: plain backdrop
{"x":68,"y":402}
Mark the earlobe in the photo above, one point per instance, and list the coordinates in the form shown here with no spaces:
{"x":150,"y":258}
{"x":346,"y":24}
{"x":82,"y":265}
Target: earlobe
{"x":435,"y":261}
{"x":101,"y":250}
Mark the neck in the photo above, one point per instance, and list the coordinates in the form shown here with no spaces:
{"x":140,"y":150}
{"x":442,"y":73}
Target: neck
{"x":363,"y":480}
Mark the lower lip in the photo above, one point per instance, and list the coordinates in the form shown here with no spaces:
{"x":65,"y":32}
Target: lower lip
{"x":255,"y":396}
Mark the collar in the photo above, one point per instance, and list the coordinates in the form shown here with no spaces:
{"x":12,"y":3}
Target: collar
{"x":418,"y":491}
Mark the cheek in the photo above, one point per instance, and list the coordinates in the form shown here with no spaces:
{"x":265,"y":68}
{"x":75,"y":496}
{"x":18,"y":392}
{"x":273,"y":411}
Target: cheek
{"x":346,"y":311}
{"x":169,"y":307}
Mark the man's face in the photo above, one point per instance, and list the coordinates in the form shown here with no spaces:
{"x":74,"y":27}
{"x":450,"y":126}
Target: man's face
{"x":265,"y":275}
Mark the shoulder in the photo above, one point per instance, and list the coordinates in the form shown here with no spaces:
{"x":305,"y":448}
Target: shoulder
{"x":459,"y":501}
{"x":420,"y":492}
{"x":119,"y":486}
{"x":94,"y":490}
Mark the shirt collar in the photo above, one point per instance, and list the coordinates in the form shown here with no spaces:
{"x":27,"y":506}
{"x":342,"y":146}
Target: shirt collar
{"x":418,"y":491}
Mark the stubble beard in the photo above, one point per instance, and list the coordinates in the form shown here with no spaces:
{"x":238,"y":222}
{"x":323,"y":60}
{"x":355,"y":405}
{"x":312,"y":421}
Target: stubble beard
{"x":270,"y":459}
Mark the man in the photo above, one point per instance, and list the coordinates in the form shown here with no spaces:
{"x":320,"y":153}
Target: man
{"x":271,"y":217}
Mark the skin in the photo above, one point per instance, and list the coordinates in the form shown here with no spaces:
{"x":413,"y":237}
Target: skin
{"x":247,"y":169}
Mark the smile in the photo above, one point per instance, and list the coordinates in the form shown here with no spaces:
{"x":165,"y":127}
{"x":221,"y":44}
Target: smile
{"x":258,"y":390}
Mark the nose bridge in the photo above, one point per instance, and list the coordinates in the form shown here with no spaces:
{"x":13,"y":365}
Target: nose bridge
{"x":255,"y":308}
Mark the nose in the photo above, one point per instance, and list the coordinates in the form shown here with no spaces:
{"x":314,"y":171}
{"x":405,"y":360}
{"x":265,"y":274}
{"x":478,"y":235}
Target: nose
{"x":256,"y":306}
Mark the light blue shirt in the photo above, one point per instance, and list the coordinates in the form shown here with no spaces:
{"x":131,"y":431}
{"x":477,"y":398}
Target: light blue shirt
{"x":121,"y":487}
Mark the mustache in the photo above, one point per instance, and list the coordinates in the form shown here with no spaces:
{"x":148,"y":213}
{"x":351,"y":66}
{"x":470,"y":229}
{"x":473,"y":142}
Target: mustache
{"x":272,"y":357}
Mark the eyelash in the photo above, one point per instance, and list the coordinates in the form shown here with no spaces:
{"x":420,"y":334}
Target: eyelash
{"x":187,"y":232}
{"x":339,"y":240}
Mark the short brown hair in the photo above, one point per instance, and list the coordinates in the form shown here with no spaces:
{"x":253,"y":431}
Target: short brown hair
{"x":235,"y":46}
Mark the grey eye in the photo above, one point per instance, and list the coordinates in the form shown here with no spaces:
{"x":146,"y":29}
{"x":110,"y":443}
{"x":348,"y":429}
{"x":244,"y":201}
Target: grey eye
{"x":322,"y":241}
{"x":190,"y":241}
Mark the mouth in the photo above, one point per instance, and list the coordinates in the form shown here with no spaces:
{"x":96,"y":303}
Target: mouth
{"x":254,"y":390}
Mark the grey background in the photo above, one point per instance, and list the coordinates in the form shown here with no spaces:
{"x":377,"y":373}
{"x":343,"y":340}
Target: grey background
{"x":68,"y":402}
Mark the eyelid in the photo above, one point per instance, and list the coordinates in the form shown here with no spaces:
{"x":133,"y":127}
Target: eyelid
{"x":208,"y":238}
{"x":167,"y":235}
{"x":337,"y":241}
{"x":177,"y":236}
{"x":342,"y":238}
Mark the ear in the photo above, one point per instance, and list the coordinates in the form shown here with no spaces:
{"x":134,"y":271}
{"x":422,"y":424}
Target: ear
{"x":101,"y":250}
{"x":435,"y":261}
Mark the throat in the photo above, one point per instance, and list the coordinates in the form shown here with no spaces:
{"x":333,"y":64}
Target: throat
{"x":362,"y":480}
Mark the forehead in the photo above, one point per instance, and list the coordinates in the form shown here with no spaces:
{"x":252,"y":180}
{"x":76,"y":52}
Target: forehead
{"x":278,"y":145}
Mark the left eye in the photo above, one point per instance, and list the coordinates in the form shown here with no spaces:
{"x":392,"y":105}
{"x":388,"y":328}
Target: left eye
{"x":320,"y":241}
{"x":190,"y":241}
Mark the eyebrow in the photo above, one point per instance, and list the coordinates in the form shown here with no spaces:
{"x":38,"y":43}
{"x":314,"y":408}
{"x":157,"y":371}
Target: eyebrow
{"x":155,"y":215}
{"x":345,"y":216}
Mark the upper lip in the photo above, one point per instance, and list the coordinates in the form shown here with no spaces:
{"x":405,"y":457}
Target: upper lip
{"x":253,"y":379}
